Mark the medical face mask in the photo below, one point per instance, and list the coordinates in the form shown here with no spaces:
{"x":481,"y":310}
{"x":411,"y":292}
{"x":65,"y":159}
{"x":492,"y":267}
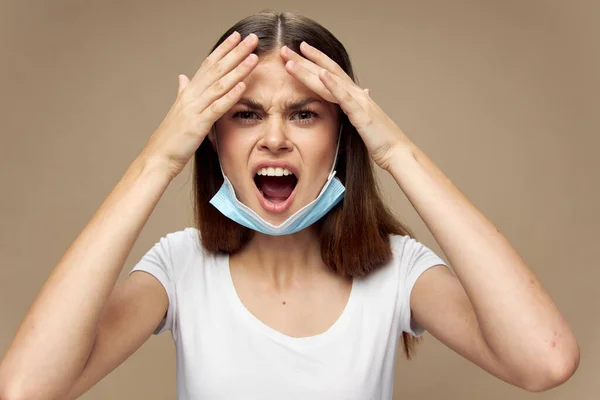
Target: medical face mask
{"x":332,"y":193}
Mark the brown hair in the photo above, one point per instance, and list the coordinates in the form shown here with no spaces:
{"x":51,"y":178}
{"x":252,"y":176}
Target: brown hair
{"x":355,"y":233}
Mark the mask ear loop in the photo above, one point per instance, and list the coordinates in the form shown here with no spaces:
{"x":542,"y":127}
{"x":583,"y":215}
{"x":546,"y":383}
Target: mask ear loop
{"x":337,"y":147}
{"x":214,"y":131}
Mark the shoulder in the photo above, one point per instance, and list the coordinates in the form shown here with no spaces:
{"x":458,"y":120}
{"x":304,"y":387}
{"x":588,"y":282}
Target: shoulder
{"x":392,"y":282}
{"x":185,"y":235}
{"x":389,"y":273}
{"x":403,"y":243}
{"x":408,"y":251}
{"x":403,"y":249}
{"x":179,"y":248}
{"x":186,"y":238}
{"x":409,"y":256}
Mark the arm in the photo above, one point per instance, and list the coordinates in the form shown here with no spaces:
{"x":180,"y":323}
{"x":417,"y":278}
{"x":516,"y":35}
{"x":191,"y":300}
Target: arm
{"x":522,"y":330}
{"x":519,"y":322}
{"x":132,"y":313}
{"x":55,"y":339}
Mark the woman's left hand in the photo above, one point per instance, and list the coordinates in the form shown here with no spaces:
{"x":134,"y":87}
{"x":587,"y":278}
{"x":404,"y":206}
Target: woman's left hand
{"x":381,"y":135}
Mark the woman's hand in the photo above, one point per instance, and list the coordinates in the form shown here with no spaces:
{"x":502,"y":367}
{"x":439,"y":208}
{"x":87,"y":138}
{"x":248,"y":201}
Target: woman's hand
{"x":383,"y":138}
{"x":215,"y":88}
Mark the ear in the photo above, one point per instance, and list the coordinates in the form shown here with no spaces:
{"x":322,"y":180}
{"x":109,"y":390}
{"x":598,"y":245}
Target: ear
{"x":212,"y":138}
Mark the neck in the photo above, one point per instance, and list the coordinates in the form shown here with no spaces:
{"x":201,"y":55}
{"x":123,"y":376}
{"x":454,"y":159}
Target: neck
{"x":282,"y":260}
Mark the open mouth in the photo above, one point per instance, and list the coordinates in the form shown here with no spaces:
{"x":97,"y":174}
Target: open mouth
{"x":275,"y":184}
{"x":276,"y":187}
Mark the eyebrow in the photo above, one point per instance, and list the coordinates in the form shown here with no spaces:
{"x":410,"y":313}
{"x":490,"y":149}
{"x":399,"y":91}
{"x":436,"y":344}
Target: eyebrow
{"x":289,"y":105}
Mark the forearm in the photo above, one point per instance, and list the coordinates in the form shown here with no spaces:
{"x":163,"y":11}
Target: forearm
{"x":518,"y":319}
{"x":55,"y":338}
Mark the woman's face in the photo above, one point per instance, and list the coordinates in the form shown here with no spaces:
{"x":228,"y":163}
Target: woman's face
{"x":261,"y":142}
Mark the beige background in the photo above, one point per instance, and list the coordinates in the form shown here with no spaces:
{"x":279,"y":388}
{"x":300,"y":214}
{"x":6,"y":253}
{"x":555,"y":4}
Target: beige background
{"x":502,"y":95}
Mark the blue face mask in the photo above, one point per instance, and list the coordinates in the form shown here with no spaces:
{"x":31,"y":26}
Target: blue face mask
{"x":332,"y":193}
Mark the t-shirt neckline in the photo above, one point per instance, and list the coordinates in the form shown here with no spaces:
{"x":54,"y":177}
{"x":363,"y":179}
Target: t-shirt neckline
{"x":331,"y":333}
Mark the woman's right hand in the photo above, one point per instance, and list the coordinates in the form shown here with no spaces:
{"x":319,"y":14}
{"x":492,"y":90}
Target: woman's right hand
{"x":214,"y":89}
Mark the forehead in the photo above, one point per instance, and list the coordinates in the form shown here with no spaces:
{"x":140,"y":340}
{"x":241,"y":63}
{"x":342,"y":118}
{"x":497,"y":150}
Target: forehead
{"x":271,"y":83}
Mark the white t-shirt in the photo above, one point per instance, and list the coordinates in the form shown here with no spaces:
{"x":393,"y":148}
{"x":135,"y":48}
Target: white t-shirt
{"x":225,"y":352}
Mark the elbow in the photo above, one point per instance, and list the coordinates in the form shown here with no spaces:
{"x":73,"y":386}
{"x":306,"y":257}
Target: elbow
{"x":20,"y":388}
{"x":560,"y":372}
{"x":7,"y":394}
{"x":10,"y":393}
{"x":11,"y":389}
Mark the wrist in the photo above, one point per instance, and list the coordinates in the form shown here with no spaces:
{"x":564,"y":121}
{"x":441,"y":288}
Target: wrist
{"x":399,"y":156}
{"x":156,"y":166}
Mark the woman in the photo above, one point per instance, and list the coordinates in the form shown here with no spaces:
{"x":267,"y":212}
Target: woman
{"x":297,"y":281}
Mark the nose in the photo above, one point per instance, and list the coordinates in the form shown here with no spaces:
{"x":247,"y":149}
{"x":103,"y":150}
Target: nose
{"x":274,"y":139}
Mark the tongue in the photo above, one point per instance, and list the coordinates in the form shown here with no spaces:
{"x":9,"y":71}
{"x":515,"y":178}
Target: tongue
{"x":276,"y":187}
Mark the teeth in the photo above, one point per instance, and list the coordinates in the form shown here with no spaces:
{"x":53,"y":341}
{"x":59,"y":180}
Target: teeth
{"x":270,"y":171}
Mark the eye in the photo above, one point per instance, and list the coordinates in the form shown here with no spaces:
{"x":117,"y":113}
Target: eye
{"x":305,"y":116}
{"x":241,"y":115}
{"x":304,"y":113}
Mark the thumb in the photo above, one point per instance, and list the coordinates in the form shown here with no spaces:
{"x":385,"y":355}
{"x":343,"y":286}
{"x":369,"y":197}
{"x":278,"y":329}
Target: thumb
{"x":183,"y":82}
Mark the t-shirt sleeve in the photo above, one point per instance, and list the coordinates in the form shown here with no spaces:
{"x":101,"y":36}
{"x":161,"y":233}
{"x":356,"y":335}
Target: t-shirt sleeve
{"x":415,"y":258}
{"x":159,"y":263}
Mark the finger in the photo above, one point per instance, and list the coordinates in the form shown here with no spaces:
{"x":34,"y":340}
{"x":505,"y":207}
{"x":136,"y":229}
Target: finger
{"x":183,"y":82}
{"x":344,"y":96}
{"x":227,"y":63}
{"x":310,"y":80}
{"x":289,"y":54}
{"x":221,"y":51}
{"x":367,"y":91}
{"x":219,"y":107}
{"x":323,"y":61}
{"x":226,"y":83}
